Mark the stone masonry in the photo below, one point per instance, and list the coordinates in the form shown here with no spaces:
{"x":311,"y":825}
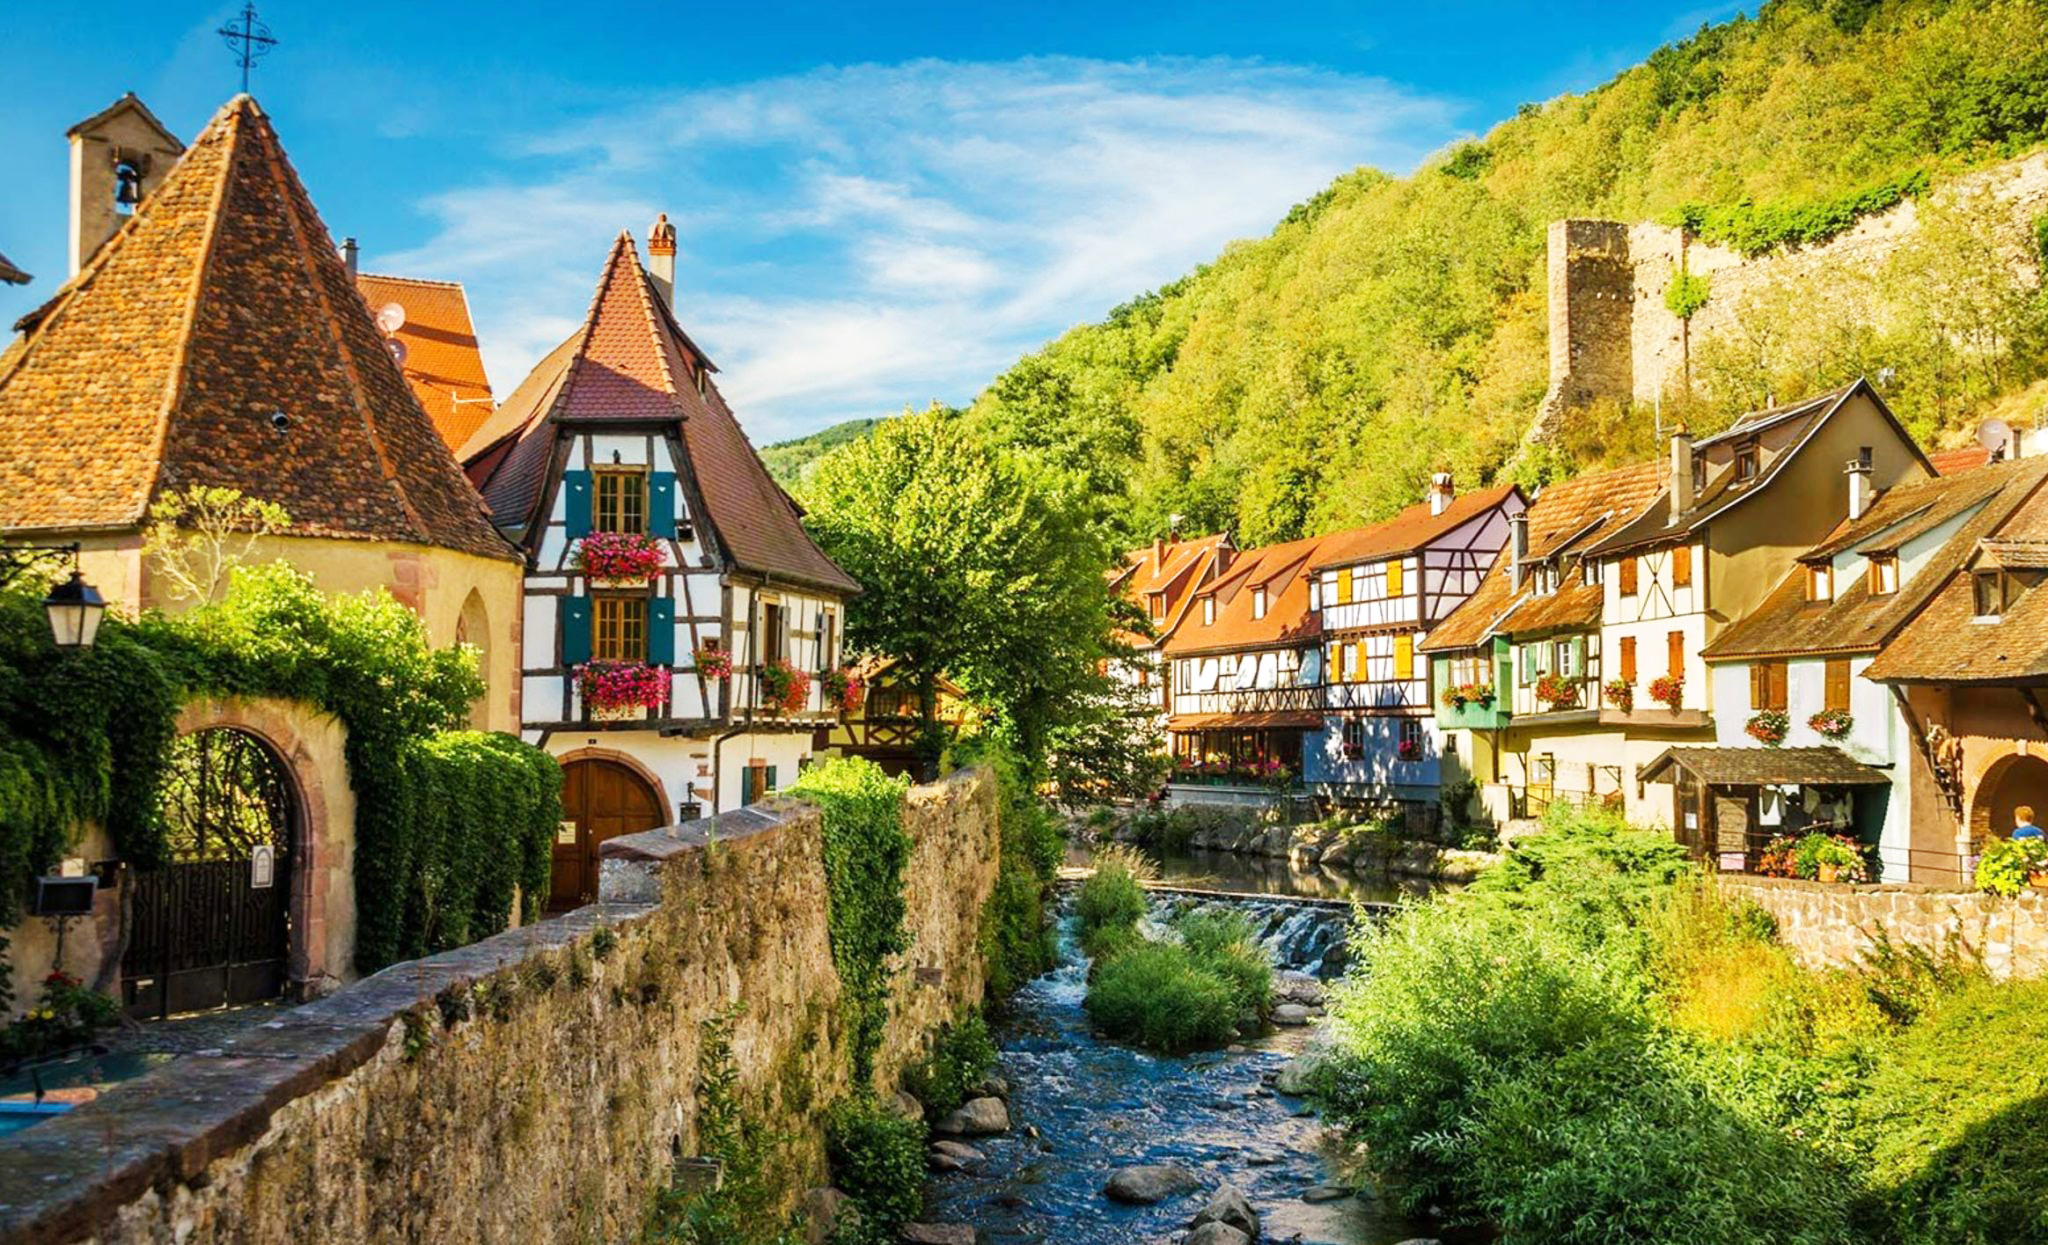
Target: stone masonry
{"x":1829,"y":925}
{"x":534,"y":1086}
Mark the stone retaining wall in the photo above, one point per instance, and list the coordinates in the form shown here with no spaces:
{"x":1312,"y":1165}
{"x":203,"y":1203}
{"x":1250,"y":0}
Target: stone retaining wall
{"x":535,"y":1086}
{"x":1831,"y":925}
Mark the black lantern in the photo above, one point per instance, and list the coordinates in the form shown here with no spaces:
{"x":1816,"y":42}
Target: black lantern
{"x":75,"y":609}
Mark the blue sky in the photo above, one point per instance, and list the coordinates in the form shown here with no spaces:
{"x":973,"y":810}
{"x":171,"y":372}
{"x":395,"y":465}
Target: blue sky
{"x":878,"y":205}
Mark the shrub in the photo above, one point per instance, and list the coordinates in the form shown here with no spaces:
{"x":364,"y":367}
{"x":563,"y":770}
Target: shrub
{"x":1158,"y":996}
{"x":2006,"y":865}
{"x":961,"y":1055}
{"x":1111,"y":899}
{"x":1819,"y":855}
{"x":877,"y":1158}
{"x":1016,"y":939}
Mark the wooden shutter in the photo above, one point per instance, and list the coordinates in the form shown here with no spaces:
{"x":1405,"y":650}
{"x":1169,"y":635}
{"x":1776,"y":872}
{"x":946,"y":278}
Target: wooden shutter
{"x":1759,"y":685}
{"x":661,"y":631}
{"x":1838,"y":685}
{"x":1358,"y":662}
{"x":661,"y":504}
{"x":574,"y":620}
{"x":1681,"y":566}
{"x":1394,"y":578}
{"x":1578,"y":650}
{"x":1628,"y":576}
{"x":1628,"y":658}
{"x":1529,"y":663}
{"x":1344,"y":586}
{"x":1404,"y":656}
{"x":576,"y":503}
{"x":1674,"y":654}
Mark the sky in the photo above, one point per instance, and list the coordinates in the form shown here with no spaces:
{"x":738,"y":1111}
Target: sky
{"x":877,"y":206}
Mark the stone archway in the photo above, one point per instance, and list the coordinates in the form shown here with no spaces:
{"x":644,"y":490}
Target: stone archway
{"x":603,"y":797}
{"x":2008,"y":782}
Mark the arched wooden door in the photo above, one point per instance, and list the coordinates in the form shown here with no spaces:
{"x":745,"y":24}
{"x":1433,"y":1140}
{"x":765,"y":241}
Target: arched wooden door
{"x":604,"y":800}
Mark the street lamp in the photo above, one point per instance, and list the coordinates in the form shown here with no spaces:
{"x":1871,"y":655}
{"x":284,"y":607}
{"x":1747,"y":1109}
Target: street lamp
{"x":75,"y":608}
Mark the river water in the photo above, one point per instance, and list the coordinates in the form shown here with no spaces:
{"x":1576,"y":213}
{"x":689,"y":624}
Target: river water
{"x":1096,"y":1106}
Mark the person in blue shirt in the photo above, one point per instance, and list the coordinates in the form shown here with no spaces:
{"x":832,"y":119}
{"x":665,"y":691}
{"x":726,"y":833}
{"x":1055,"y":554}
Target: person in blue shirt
{"x":2023,"y":826}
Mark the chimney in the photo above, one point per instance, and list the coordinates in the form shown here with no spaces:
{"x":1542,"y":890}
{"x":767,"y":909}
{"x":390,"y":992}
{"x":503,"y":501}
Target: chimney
{"x":1681,"y":471}
{"x":349,"y":254}
{"x":1518,"y":547}
{"x":1858,"y":472}
{"x":661,"y":258}
{"x":1158,"y":553}
{"x":1224,"y":552}
{"x":1440,"y":492}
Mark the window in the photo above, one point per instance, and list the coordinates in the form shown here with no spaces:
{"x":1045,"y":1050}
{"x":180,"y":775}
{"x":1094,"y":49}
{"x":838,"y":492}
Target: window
{"x":1628,"y":576}
{"x":1404,"y":656}
{"x":1315,"y":593}
{"x":772,"y":644}
{"x":1681,"y":566}
{"x":1820,"y":583}
{"x":1344,"y":587}
{"x":1411,"y":739}
{"x":1998,"y":590}
{"x":1674,"y":654}
{"x":621,"y":502}
{"x":1837,"y":693}
{"x":1471,"y":669}
{"x":1208,"y":611}
{"x":1354,"y":737}
{"x":1258,"y":603}
{"x":1158,"y":604}
{"x":620,"y":633}
{"x":1628,"y":659}
{"x":1562,"y":658}
{"x":1358,"y":583}
{"x":1592,"y":571}
{"x":1767,"y":686}
{"x":1394,"y":585}
{"x":1747,"y":461}
{"x":1884,"y":574}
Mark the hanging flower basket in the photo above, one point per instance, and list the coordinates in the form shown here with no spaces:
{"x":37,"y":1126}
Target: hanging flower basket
{"x":1621,"y":694}
{"x":1557,"y":692}
{"x":1668,"y":690}
{"x":784,"y":688}
{"x":1832,"y":723}
{"x":619,"y":557}
{"x":844,"y":688}
{"x":1768,"y":728}
{"x":621,"y":688}
{"x":712,"y":662}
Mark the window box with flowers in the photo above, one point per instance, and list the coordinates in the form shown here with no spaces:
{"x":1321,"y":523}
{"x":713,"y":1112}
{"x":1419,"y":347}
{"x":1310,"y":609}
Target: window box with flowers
{"x":1557,"y":692}
{"x":844,"y":688}
{"x":712,"y":662}
{"x":1768,"y":728}
{"x":615,"y":691}
{"x":1621,"y":694}
{"x":784,"y":688}
{"x":1668,"y":690}
{"x":1409,"y":750}
{"x":613,"y":559}
{"x":1459,"y":695}
{"x":1832,"y":724}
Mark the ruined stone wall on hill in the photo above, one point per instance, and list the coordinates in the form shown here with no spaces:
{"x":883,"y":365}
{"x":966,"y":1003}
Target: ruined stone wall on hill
{"x":538,"y":1085}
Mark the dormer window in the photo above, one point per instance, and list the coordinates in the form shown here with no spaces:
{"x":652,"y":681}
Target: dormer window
{"x":1747,"y":461}
{"x":1208,"y":611}
{"x":1591,"y":571}
{"x":1158,"y":604}
{"x":1258,"y":603}
{"x":1995,"y":591}
{"x":1820,"y":583}
{"x":1884,"y":574}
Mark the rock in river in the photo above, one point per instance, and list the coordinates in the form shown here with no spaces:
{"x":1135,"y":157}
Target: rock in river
{"x":1229,"y":1206}
{"x":1294,"y":1014}
{"x":1325,"y":1193}
{"x":1216,"y":1234}
{"x":955,"y":1156}
{"x":980,"y":1117}
{"x":1146,"y":1183}
{"x":937,"y":1234}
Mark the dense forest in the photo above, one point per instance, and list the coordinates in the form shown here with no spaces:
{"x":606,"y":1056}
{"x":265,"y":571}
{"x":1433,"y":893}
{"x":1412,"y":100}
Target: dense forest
{"x":788,"y":461}
{"x":1392,"y":326}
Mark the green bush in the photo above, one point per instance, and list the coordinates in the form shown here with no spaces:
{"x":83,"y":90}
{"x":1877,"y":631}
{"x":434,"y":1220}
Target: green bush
{"x":1222,"y":944}
{"x":2006,"y":865}
{"x":1111,"y":901}
{"x":961,"y":1055}
{"x":1158,"y":996}
{"x":1016,"y":939}
{"x":877,"y":1159}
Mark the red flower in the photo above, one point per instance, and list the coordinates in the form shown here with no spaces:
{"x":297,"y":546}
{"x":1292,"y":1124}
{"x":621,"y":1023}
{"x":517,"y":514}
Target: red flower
{"x":622,"y":684}
{"x":620,"y":555}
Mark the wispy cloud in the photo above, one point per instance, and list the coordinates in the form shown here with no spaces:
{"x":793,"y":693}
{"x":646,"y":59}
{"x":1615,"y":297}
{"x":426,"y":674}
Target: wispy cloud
{"x":857,"y":238}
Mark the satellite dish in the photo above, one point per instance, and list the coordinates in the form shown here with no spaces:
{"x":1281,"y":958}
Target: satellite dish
{"x":390,"y":318}
{"x":397,"y":349}
{"x":1994,"y":434}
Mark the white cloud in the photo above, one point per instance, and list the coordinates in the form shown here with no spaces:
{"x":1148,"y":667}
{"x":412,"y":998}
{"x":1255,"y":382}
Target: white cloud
{"x":859,"y":238}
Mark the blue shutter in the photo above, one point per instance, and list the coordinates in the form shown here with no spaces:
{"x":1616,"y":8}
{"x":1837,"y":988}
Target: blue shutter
{"x":661,"y":631}
{"x":576,"y":503}
{"x":661,"y":504}
{"x":575,"y":624}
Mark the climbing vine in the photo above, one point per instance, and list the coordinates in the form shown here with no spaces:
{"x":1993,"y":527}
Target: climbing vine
{"x":1760,"y":228}
{"x":865,"y":849}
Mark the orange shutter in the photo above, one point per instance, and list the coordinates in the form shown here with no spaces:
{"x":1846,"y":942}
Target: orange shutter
{"x":1681,"y":566}
{"x":1404,"y":656}
{"x":1674,"y":646}
{"x":1628,"y":659}
{"x":1344,"y":586}
{"x":1776,"y":686}
{"x":1838,"y":685}
{"x":1394,"y":578}
{"x":1628,"y":576}
{"x":1358,"y":662}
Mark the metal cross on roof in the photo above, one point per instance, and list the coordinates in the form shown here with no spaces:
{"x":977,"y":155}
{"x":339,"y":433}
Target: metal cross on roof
{"x":249,"y":39}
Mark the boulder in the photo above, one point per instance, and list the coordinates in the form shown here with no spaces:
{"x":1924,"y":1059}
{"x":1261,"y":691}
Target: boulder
{"x":1325,"y":1193}
{"x":990,"y":1086}
{"x":978,"y":1117}
{"x":936,"y":1234}
{"x":1216,"y":1234}
{"x":1145,"y":1183}
{"x":1293,"y":986}
{"x":954,"y":1156}
{"x":1294,"y":1014}
{"x":825,"y":1211}
{"x":905,"y":1104}
{"x":1229,"y":1206}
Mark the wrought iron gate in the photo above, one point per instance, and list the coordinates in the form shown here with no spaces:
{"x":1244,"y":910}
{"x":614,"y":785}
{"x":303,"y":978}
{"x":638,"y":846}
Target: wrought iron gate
{"x":212,"y":927}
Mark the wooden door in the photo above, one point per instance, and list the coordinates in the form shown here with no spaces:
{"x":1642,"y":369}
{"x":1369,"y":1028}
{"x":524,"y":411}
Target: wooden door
{"x":603,"y":800}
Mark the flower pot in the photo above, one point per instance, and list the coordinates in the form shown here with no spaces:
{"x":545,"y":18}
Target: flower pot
{"x":1829,"y":873}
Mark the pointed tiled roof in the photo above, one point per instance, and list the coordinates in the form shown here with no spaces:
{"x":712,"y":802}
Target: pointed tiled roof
{"x":12,"y":275}
{"x":1407,"y":531}
{"x":218,"y":305}
{"x":631,"y":363}
{"x":1170,"y":570}
{"x":442,"y":362}
{"x":1283,"y":571}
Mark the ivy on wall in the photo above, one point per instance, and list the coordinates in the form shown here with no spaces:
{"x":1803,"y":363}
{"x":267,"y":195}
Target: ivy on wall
{"x":865,"y":849}
{"x":1760,"y":228}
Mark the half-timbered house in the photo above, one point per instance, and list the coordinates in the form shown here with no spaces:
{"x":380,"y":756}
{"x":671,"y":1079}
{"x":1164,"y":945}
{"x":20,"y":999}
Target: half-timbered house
{"x":1160,"y":581}
{"x":678,"y":620}
{"x":883,"y":726}
{"x":1378,"y":591}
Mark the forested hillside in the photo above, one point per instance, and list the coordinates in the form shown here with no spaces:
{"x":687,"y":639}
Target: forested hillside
{"x":1394,"y":326}
{"x":788,"y":460}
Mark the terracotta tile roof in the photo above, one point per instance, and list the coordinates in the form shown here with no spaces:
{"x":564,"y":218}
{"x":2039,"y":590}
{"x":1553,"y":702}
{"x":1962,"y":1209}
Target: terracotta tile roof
{"x":1757,"y":767}
{"x":12,"y":275}
{"x":1954,"y":462}
{"x":1283,"y":571}
{"x":631,"y":363}
{"x":1407,"y":531}
{"x":442,"y":362}
{"x":1787,"y":624}
{"x":218,"y":303}
{"x":1170,"y":570}
{"x":1946,"y":644}
{"x":1564,"y":520}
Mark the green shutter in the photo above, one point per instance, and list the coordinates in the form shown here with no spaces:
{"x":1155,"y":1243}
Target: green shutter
{"x":661,"y":504}
{"x":768,"y":778}
{"x":1579,"y":656}
{"x":661,"y":631}
{"x":576,"y":503}
{"x":575,"y":623}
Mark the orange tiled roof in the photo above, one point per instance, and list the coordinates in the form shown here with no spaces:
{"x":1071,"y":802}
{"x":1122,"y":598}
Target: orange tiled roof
{"x":442,"y":362}
{"x":1283,"y":571}
{"x":631,"y":363}
{"x":220,"y":303}
{"x":1407,"y":531}
{"x":1968,"y":458}
{"x":1171,"y":570}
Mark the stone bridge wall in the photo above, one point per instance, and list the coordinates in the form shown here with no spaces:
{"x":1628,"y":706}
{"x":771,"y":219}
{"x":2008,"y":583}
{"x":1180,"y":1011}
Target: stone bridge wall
{"x":1829,"y":925}
{"x":535,"y":1086}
